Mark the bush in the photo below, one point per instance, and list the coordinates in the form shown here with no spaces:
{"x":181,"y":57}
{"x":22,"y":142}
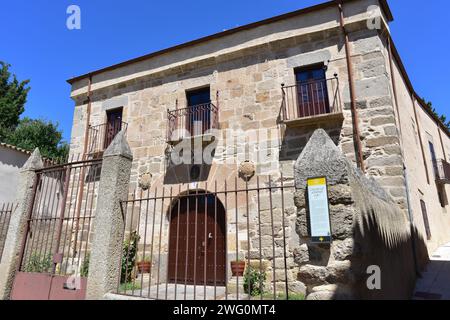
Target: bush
{"x":39,"y":264}
{"x":254,"y":281}
{"x":84,"y":268}
{"x":129,"y":252}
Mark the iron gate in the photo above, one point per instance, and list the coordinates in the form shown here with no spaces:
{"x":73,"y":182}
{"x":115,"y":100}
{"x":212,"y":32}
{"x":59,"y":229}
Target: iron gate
{"x":54,"y":259}
{"x":6,"y":211}
{"x":200,"y":241}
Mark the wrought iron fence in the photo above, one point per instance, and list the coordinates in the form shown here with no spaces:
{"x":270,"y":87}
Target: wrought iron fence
{"x":209,"y":242}
{"x":101,"y":136}
{"x":442,"y":170}
{"x":310,"y":99}
{"x":57,"y":239}
{"x":6,"y":210}
{"x":191,"y":121}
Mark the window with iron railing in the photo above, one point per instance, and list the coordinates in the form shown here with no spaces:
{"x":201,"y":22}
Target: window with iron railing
{"x":100,"y":136}
{"x":200,"y":116}
{"x":312,"y":96}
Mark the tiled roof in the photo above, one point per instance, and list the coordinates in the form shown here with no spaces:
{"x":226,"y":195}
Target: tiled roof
{"x":9,"y":146}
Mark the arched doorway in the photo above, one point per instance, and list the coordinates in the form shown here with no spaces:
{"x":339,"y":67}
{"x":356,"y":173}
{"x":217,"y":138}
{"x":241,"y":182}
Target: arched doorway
{"x":197,"y":240}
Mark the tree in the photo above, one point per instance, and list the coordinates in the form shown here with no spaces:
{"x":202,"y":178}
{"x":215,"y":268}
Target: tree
{"x":27,"y":133}
{"x":13,"y":96}
{"x":31,"y":134}
{"x":441,"y":118}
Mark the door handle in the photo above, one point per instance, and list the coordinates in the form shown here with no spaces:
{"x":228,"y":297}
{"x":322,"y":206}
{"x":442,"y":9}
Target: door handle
{"x":210,"y":236}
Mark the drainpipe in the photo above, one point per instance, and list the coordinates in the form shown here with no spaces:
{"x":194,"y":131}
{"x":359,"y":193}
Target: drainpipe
{"x":405,"y":173}
{"x":88,"y":117}
{"x":83,"y":169}
{"x":356,"y":131}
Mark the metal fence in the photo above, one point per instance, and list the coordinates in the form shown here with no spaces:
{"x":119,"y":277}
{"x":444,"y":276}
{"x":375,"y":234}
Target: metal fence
{"x":101,"y":136}
{"x":222,"y":241}
{"x":191,"y":121}
{"x":442,"y":171}
{"x":6,"y":211}
{"x":58,"y":232}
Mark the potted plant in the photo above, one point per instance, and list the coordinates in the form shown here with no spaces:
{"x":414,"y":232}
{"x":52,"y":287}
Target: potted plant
{"x":237,"y":268}
{"x":144,"y":265}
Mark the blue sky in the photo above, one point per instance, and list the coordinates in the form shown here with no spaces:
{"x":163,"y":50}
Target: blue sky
{"x":36,"y":42}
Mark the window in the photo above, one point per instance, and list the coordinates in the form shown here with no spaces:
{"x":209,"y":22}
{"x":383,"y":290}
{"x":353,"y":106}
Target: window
{"x":113,"y":125}
{"x":433,"y":159}
{"x":425,"y":219}
{"x":198,"y":111}
{"x":442,"y":196}
{"x":312,"y":93}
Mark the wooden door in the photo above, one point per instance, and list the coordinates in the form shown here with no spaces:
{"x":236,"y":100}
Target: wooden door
{"x":312,"y":92}
{"x":197,"y":241}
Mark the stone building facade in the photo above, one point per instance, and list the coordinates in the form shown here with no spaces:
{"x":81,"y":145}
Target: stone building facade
{"x":250,"y":74}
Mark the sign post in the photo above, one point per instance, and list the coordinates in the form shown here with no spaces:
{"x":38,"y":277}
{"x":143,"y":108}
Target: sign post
{"x":319,"y":210}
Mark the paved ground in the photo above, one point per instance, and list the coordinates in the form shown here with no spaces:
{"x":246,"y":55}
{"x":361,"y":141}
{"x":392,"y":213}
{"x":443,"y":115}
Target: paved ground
{"x":435,"y":281}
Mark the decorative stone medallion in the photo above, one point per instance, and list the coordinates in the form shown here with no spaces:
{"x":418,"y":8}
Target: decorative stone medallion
{"x":247,"y":170}
{"x":145,"y":180}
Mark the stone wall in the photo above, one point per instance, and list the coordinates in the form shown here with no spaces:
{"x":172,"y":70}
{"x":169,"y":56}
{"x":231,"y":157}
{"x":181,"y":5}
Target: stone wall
{"x":248,"y":83}
{"x":367,"y":229}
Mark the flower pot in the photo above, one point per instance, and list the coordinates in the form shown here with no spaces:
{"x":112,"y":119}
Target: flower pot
{"x":144,"y":266}
{"x":237,"y":268}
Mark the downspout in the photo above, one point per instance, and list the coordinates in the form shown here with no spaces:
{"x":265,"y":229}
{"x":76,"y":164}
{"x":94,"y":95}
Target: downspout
{"x":83,"y":169}
{"x":356,"y":131}
{"x":88,"y":117}
{"x":405,"y":173}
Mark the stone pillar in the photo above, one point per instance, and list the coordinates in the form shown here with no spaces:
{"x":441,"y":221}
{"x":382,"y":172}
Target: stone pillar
{"x":17,"y":226}
{"x":368,"y":230}
{"x":108,"y":224}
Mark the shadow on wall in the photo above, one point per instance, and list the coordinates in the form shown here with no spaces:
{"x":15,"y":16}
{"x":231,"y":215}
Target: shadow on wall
{"x":395,"y":257}
{"x":295,"y":139}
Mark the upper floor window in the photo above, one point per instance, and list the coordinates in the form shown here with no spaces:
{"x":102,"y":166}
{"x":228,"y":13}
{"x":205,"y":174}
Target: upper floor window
{"x":312,"y":93}
{"x":113,"y":125}
{"x":198,"y":119}
{"x":425,"y":219}
{"x":433,"y":159}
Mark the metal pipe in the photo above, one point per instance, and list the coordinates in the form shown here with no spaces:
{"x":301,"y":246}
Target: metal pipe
{"x":88,"y":117}
{"x":356,"y":131}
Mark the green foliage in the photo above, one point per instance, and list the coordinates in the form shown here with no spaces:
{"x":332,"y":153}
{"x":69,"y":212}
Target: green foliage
{"x":141,"y":258}
{"x":129,"y":286}
{"x":27,"y":133}
{"x":39,"y":263}
{"x":31,"y":134}
{"x":129,"y":252}
{"x":84,"y":268}
{"x":254,"y":281}
{"x":442,"y":117}
{"x":13,"y":96}
{"x":282,"y":296}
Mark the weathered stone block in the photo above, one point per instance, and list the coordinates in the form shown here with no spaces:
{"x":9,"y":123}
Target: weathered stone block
{"x":313,"y":275}
{"x":340,"y":194}
{"x":341,"y":217}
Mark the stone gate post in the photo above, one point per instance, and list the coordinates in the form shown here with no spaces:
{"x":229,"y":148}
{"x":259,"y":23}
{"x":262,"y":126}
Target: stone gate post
{"x":108,"y":222}
{"x":18,"y":223}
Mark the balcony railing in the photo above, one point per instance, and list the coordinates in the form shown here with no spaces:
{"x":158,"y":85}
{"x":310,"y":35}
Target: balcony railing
{"x":101,"y":136}
{"x":191,"y":121}
{"x":311,"y":99}
{"x":442,"y":170}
